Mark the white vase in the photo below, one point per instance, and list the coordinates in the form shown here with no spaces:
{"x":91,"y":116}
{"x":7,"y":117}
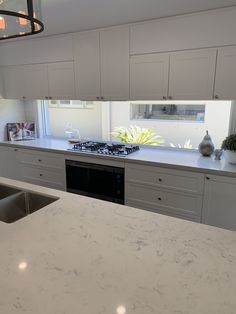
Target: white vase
{"x":230,"y":156}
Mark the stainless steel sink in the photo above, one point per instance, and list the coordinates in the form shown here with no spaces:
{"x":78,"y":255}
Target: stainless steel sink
{"x":7,"y":191}
{"x":16,"y":206}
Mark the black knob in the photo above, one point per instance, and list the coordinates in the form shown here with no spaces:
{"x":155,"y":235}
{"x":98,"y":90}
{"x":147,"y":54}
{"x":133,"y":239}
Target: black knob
{"x":160,"y":179}
{"x":208,"y":178}
{"x":159,"y":199}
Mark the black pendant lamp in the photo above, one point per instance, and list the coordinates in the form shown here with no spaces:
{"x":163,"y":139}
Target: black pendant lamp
{"x":20,"y":18}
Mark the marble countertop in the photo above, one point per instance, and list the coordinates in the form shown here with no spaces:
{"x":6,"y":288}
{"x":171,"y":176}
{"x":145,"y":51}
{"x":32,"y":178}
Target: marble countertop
{"x":86,"y":256}
{"x":164,"y":157}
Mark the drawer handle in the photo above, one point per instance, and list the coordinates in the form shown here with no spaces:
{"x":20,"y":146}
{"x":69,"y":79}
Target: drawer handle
{"x":160,"y":180}
{"x":39,"y":160}
{"x":15,"y":150}
{"x":41,"y":175}
{"x":159,"y":199}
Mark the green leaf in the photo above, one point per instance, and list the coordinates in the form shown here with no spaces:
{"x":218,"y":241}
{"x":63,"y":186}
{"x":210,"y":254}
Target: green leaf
{"x":137,"y":135}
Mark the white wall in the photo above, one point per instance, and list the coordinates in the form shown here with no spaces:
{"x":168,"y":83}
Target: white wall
{"x":10,"y":111}
{"x":216,"y":122}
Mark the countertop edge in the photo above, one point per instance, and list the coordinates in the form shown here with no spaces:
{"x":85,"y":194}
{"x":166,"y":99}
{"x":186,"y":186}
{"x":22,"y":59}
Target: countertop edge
{"x":129,"y":159}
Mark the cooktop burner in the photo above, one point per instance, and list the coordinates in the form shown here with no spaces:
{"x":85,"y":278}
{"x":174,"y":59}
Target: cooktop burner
{"x":105,"y":148}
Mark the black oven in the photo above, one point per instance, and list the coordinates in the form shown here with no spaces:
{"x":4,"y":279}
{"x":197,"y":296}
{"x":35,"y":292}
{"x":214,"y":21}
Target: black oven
{"x":98,"y":181}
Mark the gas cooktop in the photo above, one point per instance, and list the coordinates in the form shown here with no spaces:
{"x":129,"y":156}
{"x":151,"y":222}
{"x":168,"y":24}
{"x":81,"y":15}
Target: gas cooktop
{"x":105,"y":148}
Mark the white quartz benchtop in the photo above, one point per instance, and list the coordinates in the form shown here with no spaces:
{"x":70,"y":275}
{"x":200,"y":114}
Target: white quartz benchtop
{"x":179,"y":159}
{"x":85,"y":256}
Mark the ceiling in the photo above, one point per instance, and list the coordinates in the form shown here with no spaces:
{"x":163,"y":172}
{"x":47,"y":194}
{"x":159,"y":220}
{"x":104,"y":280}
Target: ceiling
{"x":60,"y":16}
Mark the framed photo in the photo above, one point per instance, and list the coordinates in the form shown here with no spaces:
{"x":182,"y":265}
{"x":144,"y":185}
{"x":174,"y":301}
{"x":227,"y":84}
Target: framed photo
{"x":21,"y":131}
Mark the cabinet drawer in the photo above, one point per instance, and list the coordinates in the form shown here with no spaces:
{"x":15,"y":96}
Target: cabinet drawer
{"x":162,"y":212}
{"x":44,"y":177}
{"x":167,"y":201}
{"x":42,"y":159}
{"x":164,"y":178}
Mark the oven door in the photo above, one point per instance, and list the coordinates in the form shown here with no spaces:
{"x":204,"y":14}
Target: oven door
{"x":98,"y":181}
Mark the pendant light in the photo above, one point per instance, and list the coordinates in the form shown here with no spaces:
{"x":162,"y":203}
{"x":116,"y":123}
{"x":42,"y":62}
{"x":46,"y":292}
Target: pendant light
{"x":20,"y":18}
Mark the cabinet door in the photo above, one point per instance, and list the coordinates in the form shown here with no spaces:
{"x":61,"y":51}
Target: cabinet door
{"x":164,"y":201}
{"x":114,"y":49}
{"x":2,"y":95}
{"x":13,"y":83}
{"x":192,"y":74}
{"x":9,"y":163}
{"x":219,"y":202}
{"x":149,"y":77}
{"x":26,"y":81}
{"x":87,"y":65}
{"x":226,"y":74}
{"x":61,"y":80}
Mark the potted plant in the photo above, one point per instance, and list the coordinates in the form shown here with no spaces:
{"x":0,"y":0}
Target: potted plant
{"x":229,"y":145}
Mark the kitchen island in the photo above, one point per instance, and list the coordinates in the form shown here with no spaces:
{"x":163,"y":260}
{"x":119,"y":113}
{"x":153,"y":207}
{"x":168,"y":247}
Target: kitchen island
{"x":87,"y":256}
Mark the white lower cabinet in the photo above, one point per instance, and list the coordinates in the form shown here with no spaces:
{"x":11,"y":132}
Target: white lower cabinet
{"x":219,"y":207}
{"x":9,"y":162}
{"x":43,"y":168}
{"x":166,"y":191}
{"x":165,"y":201}
{"x":209,"y":199}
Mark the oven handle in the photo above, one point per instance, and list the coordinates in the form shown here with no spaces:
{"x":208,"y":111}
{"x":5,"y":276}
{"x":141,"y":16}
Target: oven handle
{"x":86,"y":165}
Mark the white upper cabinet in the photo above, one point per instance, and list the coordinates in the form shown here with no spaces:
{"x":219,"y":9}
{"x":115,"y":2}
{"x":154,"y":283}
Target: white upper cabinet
{"x":114,"y":45}
{"x":37,"y":50}
{"x":179,"y":75}
{"x":27,"y":81}
{"x":226,"y":74}
{"x":192,"y":74}
{"x":212,"y":28}
{"x":61,"y":80}
{"x":87,"y":65}
{"x":149,"y":76}
{"x":40,"y":81}
{"x":102,"y":64}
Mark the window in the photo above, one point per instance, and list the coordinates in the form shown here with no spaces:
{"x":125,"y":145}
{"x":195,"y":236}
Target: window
{"x":168,"y":112}
{"x":180,"y":124}
{"x":64,"y":118}
{"x":70,"y":104}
